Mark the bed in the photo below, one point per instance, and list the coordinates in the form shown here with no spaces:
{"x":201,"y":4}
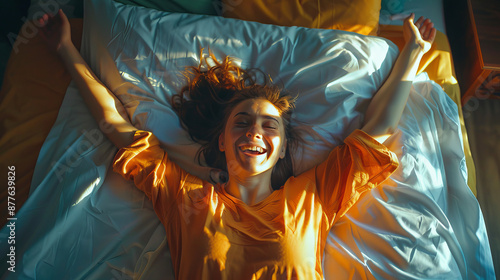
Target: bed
{"x":79,"y":220}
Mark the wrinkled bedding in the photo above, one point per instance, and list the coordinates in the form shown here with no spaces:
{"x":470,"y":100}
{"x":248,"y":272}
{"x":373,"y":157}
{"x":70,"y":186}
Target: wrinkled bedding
{"x":82,"y":221}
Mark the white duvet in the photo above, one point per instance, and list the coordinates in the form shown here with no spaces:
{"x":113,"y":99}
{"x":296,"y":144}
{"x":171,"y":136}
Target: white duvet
{"x":82,"y":221}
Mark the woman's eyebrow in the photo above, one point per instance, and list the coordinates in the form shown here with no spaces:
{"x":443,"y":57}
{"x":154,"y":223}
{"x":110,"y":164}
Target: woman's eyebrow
{"x":241,"y":113}
{"x":267,"y":117}
{"x":272,"y":118}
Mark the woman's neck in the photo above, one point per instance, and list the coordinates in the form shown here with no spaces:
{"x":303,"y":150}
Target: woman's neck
{"x":250,"y":190}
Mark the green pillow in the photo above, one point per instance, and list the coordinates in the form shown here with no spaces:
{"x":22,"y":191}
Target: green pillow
{"x":393,"y":6}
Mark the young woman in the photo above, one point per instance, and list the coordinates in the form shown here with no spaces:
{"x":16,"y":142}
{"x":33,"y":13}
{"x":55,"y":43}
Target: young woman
{"x":260,"y":223}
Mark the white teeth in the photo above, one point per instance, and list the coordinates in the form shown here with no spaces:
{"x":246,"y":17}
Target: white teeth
{"x":252,"y":148}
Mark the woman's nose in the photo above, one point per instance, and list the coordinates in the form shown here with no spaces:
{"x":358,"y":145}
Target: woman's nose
{"x":254,"y":132}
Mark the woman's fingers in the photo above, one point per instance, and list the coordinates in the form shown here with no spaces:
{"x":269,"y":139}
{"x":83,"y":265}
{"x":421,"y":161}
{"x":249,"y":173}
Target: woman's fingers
{"x":419,"y":22}
{"x":432,"y":35}
{"x":426,"y":28}
{"x":48,"y":18}
{"x":49,"y":28}
{"x":424,"y":25}
{"x":429,"y":32}
{"x":411,"y":17}
{"x":426,"y":31}
{"x":45,"y":20}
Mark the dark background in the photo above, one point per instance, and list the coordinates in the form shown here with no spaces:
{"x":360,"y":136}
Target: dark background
{"x":12,"y":13}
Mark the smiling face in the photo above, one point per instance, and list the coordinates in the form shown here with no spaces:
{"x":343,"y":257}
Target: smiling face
{"x":253,"y":139}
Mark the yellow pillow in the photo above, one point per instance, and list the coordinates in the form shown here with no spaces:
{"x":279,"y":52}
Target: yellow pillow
{"x":359,"y":16}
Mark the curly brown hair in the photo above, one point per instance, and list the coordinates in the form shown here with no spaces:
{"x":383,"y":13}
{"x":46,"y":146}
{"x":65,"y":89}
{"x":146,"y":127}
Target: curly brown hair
{"x":205,"y":103}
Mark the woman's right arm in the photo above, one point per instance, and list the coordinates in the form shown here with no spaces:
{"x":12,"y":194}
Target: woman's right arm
{"x":107,"y":110}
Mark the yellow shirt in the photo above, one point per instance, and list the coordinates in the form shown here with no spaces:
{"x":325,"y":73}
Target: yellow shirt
{"x":213,"y":235}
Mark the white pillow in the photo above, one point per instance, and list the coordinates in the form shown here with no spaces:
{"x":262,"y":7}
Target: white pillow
{"x":335,"y":72}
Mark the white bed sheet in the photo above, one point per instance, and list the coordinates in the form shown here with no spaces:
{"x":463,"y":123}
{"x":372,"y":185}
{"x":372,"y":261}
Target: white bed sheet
{"x":82,"y":221}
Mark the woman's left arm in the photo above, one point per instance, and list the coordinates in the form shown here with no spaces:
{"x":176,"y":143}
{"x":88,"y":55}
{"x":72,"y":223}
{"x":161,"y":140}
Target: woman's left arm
{"x":386,"y":107}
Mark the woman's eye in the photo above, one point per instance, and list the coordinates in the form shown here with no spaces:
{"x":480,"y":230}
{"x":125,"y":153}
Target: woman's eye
{"x":270,"y":125}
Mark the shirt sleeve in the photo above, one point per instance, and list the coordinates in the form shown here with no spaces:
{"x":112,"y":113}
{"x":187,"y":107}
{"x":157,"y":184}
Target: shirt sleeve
{"x":358,"y":165}
{"x":148,"y":165}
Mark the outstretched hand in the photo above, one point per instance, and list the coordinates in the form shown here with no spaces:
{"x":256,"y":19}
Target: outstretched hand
{"x":55,"y":30}
{"x":421,"y":33}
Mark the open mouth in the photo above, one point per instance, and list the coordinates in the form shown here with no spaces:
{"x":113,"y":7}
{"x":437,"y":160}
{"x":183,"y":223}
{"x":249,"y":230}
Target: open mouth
{"x":252,"y":150}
